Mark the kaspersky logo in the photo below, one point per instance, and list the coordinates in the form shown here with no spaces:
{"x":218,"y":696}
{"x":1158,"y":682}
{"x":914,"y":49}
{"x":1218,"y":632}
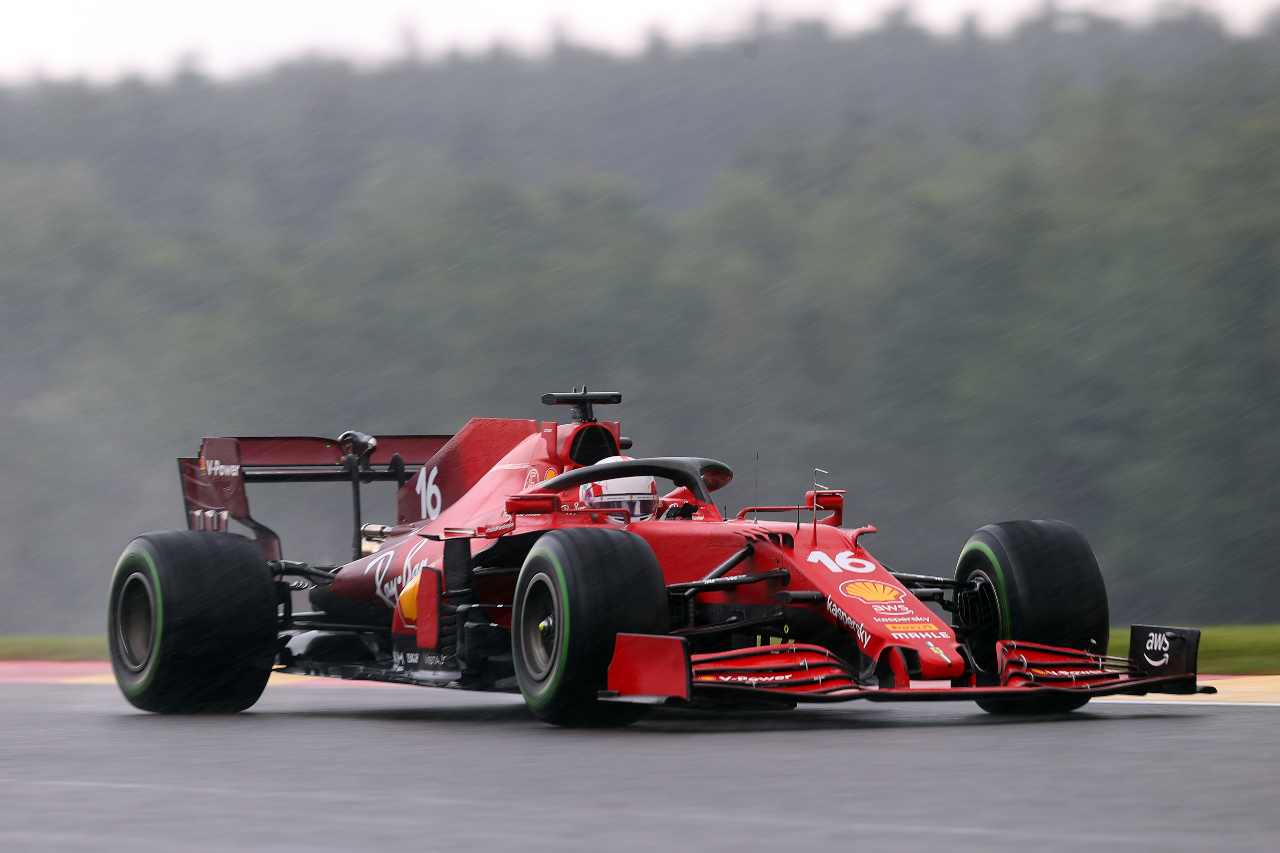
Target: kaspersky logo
{"x":1157,"y":644}
{"x":215,"y":468}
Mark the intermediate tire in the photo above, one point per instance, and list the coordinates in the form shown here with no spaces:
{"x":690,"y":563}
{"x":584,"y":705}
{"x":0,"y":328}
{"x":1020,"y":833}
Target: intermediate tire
{"x":191,"y":622}
{"x":1038,"y":581}
{"x":577,"y":590}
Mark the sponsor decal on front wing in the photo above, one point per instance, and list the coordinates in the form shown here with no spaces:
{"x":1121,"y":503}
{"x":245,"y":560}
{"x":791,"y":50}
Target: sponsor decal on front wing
{"x":744,"y":678}
{"x":1157,"y":651}
{"x":1068,"y":673}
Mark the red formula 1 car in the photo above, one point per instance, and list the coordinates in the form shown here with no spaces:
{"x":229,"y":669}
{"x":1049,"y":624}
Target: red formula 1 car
{"x":530,"y":555}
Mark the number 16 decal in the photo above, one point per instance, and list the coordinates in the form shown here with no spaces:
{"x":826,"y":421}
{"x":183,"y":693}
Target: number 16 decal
{"x":844,"y":562}
{"x":430,"y":501}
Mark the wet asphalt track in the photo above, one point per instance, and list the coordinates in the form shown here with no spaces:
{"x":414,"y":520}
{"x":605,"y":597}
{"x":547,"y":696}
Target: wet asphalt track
{"x":364,"y":768}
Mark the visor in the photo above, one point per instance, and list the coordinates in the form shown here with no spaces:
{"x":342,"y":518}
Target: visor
{"x":636,"y":504}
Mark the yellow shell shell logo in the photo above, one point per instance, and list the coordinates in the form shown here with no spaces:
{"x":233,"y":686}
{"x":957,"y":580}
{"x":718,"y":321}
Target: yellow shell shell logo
{"x":871,"y":592}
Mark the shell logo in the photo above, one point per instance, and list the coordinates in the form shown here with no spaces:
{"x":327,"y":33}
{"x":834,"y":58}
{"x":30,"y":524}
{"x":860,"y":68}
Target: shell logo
{"x":871,"y":592}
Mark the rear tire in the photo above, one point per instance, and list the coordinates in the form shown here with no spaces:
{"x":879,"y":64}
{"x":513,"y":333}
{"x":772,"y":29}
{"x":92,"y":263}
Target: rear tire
{"x":578,"y":589}
{"x":1046,"y":587}
{"x":191,"y":622}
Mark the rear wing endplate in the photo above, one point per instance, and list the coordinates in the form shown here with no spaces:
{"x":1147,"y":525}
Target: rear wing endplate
{"x":213,"y":483}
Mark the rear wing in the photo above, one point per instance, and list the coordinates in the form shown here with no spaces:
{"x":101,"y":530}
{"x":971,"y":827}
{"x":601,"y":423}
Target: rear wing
{"x":213,"y":483}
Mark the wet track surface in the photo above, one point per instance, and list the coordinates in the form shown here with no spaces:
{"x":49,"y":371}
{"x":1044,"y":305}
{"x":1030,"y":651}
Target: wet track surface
{"x":351,"y":768}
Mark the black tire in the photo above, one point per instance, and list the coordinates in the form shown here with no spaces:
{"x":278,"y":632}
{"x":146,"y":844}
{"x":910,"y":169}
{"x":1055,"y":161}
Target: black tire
{"x":191,"y":622}
{"x":592,"y":584}
{"x":1046,"y":587}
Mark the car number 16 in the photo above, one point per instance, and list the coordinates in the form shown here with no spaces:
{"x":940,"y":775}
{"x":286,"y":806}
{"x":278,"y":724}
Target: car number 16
{"x":430,"y":501}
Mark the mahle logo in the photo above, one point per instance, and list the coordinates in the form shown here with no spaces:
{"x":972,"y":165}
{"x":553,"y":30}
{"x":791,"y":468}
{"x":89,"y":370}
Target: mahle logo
{"x":1157,"y":644}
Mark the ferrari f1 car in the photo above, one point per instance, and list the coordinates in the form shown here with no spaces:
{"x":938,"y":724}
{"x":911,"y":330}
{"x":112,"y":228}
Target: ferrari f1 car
{"x":533,"y":556}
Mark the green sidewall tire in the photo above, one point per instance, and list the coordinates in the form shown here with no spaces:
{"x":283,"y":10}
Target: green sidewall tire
{"x":604,"y":582}
{"x":1049,"y":590}
{"x":213,"y":623}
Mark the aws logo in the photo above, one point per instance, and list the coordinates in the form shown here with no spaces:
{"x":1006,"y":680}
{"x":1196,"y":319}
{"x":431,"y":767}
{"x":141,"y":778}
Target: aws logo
{"x":1157,"y":644}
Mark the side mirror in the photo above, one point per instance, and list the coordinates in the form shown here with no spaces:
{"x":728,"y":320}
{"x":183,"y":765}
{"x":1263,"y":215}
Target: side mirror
{"x":715,"y":475}
{"x":832,"y":500}
{"x":537,"y":503}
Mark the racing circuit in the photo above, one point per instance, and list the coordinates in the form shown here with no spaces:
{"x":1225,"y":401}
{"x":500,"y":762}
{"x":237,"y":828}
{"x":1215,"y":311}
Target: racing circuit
{"x":325,"y":765}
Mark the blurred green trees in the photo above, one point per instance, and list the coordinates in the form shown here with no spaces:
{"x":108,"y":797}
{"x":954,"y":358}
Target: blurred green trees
{"x":976,"y":278}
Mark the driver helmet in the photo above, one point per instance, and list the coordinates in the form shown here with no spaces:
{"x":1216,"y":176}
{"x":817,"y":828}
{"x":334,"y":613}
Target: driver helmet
{"x":637,"y":495}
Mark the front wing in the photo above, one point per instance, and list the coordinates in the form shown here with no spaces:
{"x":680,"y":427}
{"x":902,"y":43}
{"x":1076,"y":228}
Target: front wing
{"x":655,"y":669}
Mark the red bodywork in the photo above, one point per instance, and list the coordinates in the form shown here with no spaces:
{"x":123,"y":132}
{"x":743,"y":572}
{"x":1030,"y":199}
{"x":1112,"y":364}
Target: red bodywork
{"x":485,"y":485}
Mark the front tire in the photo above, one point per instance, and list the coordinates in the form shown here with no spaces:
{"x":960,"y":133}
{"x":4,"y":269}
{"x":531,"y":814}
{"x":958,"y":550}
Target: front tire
{"x":1038,"y":581}
{"x":578,"y":589}
{"x":192,"y":622}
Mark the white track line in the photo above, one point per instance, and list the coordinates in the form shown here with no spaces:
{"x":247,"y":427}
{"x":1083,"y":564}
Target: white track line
{"x":1184,"y":703}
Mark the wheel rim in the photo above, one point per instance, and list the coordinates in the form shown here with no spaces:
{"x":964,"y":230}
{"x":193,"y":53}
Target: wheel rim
{"x":135,"y":622}
{"x":982,"y":620}
{"x":540,"y":627}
